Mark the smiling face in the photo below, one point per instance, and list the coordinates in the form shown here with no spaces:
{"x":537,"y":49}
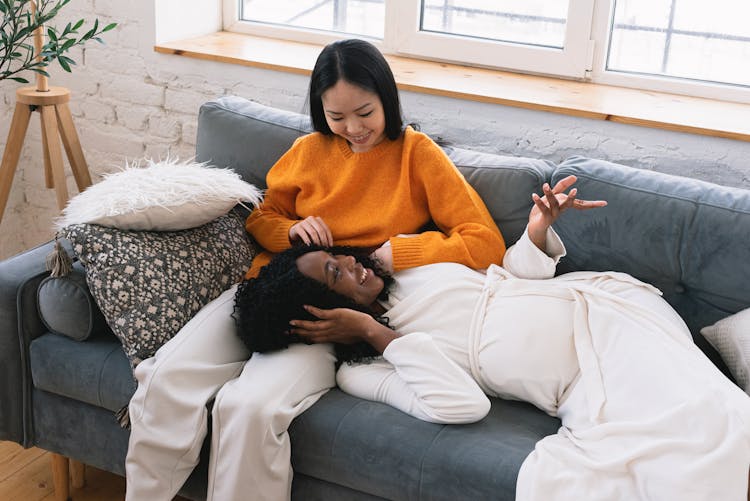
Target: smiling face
{"x":355,"y":114}
{"x":342,"y":274}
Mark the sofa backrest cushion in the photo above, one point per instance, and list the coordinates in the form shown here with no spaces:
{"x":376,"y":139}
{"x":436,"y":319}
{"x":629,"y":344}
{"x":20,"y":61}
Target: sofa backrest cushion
{"x":687,"y":237}
{"x":249,"y":137}
{"x":246,"y":136}
{"x":505,"y":185}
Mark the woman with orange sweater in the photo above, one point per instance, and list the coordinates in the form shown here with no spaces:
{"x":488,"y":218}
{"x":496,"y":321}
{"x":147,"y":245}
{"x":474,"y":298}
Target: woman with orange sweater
{"x":363,"y":178}
{"x":360,"y":179}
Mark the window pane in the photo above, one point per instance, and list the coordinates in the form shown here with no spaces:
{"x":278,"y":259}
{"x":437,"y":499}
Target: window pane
{"x":356,"y":17}
{"x":692,"y":39}
{"x":651,"y":13}
{"x":729,"y":17}
{"x":531,"y":22}
{"x":710,"y":59}
{"x":644,"y":54}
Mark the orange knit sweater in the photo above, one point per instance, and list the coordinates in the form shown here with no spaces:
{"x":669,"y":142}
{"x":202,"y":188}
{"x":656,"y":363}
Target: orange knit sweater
{"x":367,"y":198}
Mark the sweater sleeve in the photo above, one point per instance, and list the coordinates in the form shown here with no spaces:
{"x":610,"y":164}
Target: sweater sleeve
{"x":468,"y":234}
{"x":525,"y":260}
{"x":418,"y":379}
{"x":269,"y":224}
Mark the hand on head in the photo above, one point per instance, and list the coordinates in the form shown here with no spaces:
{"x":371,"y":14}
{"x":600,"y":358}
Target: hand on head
{"x":338,"y":325}
{"x":555,"y":201}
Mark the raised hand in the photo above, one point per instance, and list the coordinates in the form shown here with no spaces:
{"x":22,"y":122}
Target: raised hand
{"x":555,"y":201}
{"x":311,"y":230}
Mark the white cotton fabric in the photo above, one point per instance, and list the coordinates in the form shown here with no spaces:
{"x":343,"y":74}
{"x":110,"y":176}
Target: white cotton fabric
{"x":254,"y":402}
{"x":167,"y":195}
{"x":645,"y":414}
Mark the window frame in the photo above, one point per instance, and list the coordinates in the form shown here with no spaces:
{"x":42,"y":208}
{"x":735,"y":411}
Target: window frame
{"x":582,"y":58}
{"x":572,"y":61}
{"x":600,"y":32}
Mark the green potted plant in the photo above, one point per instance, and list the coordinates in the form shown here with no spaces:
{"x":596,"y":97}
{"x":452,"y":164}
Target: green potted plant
{"x":17,"y":50}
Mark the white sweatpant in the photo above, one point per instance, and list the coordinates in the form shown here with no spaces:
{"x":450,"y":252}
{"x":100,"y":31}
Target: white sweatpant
{"x":250,"y":447}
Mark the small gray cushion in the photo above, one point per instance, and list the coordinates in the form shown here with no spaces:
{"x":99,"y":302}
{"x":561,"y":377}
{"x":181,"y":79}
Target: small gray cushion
{"x":67,"y":308}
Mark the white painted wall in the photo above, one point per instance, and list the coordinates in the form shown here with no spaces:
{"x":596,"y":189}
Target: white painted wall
{"x":130,"y":103}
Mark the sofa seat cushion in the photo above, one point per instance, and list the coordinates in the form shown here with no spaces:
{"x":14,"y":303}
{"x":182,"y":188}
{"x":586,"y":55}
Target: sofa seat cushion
{"x":372,"y":447}
{"x":96,"y":371}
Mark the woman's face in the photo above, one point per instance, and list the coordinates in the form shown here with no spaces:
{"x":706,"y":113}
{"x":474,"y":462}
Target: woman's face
{"x":355,"y":114}
{"x":342,"y":274}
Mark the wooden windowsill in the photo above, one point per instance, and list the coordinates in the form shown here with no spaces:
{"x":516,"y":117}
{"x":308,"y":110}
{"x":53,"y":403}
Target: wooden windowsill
{"x":599,"y":102}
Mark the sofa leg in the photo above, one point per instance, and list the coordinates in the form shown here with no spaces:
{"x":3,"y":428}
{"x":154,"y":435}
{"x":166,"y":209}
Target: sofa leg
{"x":77,"y":474}
{"x":60,"y":477}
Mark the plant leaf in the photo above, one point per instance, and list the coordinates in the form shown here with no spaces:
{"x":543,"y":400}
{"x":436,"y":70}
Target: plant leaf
{"x":20,"y":80}
{"x":63,"y":64}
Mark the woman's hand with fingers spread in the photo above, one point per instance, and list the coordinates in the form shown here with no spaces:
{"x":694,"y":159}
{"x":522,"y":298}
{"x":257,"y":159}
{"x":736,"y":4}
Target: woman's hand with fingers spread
{"x":548,"y":208}
{"x":342,"y":325}
{"x":311,"y":230}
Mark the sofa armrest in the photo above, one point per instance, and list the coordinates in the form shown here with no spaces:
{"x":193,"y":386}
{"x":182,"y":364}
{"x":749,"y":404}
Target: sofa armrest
{"x":19,"y":324}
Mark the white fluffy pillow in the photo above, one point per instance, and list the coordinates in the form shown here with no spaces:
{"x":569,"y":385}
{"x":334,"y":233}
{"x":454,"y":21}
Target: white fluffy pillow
{"x":163,"y":196}
{"x":730,"y":336}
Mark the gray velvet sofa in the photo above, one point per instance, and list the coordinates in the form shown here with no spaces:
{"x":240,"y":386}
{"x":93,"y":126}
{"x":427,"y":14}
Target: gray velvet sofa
{"x":687,"y":237}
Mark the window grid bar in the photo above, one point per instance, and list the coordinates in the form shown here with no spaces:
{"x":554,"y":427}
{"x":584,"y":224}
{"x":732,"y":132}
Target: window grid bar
{"x":668,"y":40}
{"x":448,"y":9}
{"x":697,"y":34}
{"x":339,"y":14}
{"x":305,"y":12}
{"x":495,"y":13}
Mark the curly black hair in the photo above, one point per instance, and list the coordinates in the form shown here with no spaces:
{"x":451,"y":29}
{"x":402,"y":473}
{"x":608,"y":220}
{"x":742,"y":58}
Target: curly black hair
{"x":264,"y":305}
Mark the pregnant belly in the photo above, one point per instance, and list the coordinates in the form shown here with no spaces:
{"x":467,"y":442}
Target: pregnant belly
{"x":526,"y":351}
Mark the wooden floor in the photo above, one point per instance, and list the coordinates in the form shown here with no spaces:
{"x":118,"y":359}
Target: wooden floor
{"x":26,"y":475}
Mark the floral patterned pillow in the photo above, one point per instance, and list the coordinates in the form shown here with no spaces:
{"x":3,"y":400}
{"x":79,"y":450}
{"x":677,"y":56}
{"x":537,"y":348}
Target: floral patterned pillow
{"x":149,"y":284}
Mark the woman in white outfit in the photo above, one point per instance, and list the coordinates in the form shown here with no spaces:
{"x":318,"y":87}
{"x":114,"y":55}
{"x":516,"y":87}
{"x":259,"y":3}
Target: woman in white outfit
{"x":645,"y":415}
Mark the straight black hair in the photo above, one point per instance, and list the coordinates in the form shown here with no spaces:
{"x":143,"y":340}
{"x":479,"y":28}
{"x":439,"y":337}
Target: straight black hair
{"x":359,"y":63}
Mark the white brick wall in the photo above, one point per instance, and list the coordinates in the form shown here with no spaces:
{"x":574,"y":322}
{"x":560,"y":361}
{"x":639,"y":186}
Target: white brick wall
{"x":129,"y":102}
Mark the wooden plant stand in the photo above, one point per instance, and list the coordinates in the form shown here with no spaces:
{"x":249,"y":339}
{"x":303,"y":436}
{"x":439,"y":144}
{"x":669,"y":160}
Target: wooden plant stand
{"x":57,"y":122}
{"x":52,"y":104}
